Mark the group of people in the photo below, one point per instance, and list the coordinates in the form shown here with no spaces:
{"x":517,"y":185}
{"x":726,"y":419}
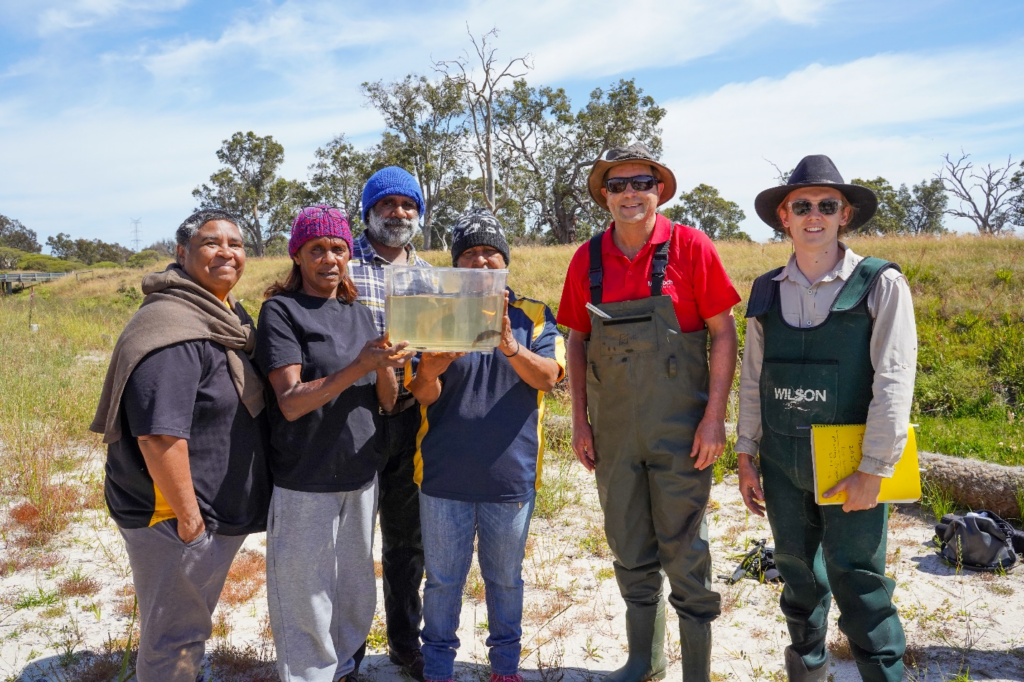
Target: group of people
{"x":314,"y":422}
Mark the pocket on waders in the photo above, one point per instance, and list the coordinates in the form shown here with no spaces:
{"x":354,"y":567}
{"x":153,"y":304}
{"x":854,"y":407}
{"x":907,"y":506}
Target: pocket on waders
{"x":626,"y":335}
{"x":798,"y":394}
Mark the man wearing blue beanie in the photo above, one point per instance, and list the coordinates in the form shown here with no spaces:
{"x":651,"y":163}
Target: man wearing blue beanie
{"x":392,"y":206}
{"x":391,"y":181}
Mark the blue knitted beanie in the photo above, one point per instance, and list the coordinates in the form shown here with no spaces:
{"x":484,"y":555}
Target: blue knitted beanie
{"x":391,"y":180}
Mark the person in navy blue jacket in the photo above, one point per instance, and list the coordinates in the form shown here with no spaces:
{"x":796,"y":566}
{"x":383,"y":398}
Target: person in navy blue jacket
{"x":478,"y":461}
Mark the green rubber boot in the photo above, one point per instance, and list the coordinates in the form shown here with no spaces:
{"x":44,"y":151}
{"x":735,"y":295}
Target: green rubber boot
{"x":695,"y":643}
{"x":645,"y":635}
{"x":796,"y":669}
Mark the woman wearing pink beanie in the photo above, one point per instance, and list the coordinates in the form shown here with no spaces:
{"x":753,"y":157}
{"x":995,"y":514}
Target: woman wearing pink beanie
{"x":330,"y":374}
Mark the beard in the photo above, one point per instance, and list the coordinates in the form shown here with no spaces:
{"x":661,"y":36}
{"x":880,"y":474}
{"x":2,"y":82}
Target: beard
{"x":392,"y":232}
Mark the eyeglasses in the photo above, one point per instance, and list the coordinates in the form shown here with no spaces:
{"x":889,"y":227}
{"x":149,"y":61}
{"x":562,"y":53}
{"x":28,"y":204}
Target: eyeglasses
{"x":802,"y":207}
{"x":640,"y":183}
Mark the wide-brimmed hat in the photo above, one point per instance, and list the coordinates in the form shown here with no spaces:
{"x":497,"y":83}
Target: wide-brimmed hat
{"x":633,"y":153}
{"x":816,"y":170}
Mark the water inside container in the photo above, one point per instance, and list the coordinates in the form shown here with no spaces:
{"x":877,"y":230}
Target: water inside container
{"x":445,"y":309}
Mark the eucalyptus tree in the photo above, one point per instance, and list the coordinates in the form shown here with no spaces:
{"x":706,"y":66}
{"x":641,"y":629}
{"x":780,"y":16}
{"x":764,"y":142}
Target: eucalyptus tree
{"x":705,"y":209}
{"x":482,"y":80}
{"x":983,"y":194}
{"x":553,"y":147}
{"x":14,"y":235}
{"x":248,"y":186}
{"x":426,"y":133}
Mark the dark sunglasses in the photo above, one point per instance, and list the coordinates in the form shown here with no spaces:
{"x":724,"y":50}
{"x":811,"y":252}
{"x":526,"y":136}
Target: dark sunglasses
{"x":640,"y":183}
{"x":802,"y":207}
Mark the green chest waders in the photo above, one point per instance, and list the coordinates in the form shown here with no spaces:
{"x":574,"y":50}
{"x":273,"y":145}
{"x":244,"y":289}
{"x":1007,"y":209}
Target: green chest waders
{"x":823,"y":375}
{"x":647,"y":388}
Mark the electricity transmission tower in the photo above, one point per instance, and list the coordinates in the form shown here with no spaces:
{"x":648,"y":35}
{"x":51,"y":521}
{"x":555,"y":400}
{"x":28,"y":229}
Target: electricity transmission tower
{"x":136,"y":239}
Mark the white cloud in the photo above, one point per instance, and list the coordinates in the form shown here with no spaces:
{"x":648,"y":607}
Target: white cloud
{"x":891,"y":115}
{"x":89,"y":172}
{"x":79,"y":14}
{"x":609,"y":38}
{"x":91,"y":140}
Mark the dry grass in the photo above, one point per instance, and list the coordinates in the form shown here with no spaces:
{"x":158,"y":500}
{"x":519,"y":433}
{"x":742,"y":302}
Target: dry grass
{"x":838,"y":645}
{"x":594,"y":542}
{"x":377,"y":640}
{"x":221,"y":627}
{"x":78,"y":585}
{"x":18,"y":559}
{"x":125,"y":604}
{"x":247,"y":575}
{"x":106,"y":665}
{"x":539,"y":613}
{"x":474,"y":588}
{"x":251,"y":663}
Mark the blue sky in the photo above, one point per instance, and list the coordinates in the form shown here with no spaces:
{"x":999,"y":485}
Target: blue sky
{"x":113,"y":109}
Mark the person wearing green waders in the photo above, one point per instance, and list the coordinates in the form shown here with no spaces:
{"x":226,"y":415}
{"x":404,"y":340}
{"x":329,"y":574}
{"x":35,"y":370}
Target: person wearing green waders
{"x":648,"y":414}
{"x":841,"y":328}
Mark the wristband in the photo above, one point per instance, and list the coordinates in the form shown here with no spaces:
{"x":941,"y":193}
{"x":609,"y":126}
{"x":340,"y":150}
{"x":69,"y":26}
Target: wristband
{"x":518,"y":346}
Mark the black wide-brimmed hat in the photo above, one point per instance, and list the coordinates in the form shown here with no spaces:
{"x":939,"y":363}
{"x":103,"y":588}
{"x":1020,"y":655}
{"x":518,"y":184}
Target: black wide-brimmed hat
{"x":816,"y":170}
{"x":633,"y":153}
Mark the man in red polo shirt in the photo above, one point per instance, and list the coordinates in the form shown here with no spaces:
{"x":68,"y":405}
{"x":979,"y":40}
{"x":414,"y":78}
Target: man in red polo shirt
{"x":648,"y":414}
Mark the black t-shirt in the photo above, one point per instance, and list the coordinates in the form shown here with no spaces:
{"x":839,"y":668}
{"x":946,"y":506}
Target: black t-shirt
{"x":331,"y":449}
{"x":185,"y":390}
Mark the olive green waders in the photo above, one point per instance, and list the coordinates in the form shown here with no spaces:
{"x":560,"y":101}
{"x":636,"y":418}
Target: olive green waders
{"x":647,"y":387}
{"x":823,"y":375}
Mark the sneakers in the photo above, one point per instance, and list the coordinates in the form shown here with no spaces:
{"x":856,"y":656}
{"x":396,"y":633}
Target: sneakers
{"x":411,"y":662}
{"x":495,"y":677}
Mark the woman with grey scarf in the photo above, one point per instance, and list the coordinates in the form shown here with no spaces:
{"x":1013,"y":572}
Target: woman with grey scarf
{"x":182,"y":416}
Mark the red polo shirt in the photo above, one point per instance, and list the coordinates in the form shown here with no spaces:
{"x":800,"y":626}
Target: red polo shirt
{"x":695,"y":278}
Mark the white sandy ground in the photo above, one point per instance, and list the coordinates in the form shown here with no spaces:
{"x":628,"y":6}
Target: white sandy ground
{"x":573,"y":622}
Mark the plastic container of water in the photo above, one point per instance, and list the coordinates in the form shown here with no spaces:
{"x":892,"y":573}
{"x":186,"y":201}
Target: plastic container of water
{"x":444,"y":309}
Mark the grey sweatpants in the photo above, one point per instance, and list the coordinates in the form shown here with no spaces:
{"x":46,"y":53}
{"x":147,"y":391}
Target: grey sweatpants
{"x":177,"y":586}
{"x":320,"y":583}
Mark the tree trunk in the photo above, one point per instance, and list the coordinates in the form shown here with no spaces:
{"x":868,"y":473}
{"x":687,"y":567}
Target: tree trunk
{"x":565,"y":223}
{"x":975,"y":484}
{"x":427,"y":226}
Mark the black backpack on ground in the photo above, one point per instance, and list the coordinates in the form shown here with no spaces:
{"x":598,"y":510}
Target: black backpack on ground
{"x":979,"y":541}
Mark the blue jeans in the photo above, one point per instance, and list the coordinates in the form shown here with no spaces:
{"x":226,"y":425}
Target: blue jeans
{"x":448,"y":530}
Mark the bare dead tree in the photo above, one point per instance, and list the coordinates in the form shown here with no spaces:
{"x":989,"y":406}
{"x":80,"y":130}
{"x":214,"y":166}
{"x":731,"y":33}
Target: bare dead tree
{"x":480,"y":78}
{"x":983,"y":193}
{"x":781,"y":176}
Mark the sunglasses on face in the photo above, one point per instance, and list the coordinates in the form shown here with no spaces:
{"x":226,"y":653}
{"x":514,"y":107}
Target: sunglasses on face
{"x":640,"y":183}
{"x":803,"y":207}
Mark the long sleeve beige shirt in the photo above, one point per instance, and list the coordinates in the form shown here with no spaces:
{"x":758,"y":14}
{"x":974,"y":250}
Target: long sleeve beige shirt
{"x":893,"y":356}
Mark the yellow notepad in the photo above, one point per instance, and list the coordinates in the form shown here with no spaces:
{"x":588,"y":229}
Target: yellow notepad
{"x":836,"y":452}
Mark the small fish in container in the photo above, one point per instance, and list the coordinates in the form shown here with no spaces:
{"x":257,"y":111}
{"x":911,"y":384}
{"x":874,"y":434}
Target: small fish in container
{"x":444,"y":309}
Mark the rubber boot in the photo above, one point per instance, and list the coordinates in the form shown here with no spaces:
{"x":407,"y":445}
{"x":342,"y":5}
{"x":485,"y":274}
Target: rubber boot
{"x":695,"y":645}
{"x":645,"y":635}
{"x":797,"y":671}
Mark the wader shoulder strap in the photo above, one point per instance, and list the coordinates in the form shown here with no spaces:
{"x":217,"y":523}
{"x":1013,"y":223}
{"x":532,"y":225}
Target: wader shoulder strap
{"x":596,"y":269}
{"x":762,"y":293}
{"x":659,"y":263}
{"x":861,"y":281}
{"x":658,"y":266}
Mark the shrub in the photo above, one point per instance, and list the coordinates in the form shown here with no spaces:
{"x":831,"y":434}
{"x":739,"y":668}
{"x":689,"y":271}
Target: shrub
{"x":38,"y":262}
{"x":143,"y":259}
{"x":104,"y":264}
{"x":9,"y":257}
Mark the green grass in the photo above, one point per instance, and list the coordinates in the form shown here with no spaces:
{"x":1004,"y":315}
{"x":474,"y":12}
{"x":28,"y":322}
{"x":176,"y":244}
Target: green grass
{"x":973,"y":437}
{"x":32,"y":600}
